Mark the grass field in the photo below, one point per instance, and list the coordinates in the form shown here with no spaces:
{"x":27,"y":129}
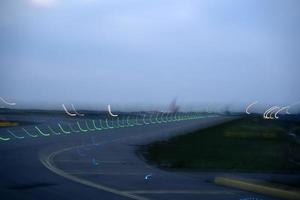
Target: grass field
{"x":250,"y":144}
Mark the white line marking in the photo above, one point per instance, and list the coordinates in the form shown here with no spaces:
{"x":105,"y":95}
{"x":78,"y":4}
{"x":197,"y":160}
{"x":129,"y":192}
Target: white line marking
{"x":109,"y":111}
{"x":48,"y":160}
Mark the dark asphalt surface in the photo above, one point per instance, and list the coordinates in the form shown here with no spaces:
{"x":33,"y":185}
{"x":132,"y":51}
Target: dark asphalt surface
{"x":101,"y":165}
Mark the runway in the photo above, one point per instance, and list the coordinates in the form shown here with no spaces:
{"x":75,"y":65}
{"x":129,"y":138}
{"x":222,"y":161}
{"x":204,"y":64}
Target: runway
{"x":101,"y":164}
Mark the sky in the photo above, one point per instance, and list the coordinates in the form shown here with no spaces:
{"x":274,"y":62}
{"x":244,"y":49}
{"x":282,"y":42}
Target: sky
{"x":136,"y":52}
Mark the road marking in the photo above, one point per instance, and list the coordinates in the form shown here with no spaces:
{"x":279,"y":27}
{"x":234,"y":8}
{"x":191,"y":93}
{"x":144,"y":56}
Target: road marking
{"x":99,"y":172}
{"x":97,"y":128}
{"x":289,"y":106}
{"x":83,"y":161}
{"x":48,"y":160}
{"x":56,"y":133}
{"x":258,"y":187}
{"x":265,"y":115}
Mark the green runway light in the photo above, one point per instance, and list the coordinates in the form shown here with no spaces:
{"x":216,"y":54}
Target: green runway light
{"x":14,"y":135}
{"x":51,"y":130}
{"x":156,"y":118}
{"x":4,"y":139}
{"x":102,"y":125}
{"x":81,"y":129}
{"x":31,"y":135}
{"x":87,"y":126}
{"x":144,"y":120}
{"x":61,"y":128}
{"x":150,"y":119}
{"x":41,"y":132}
{"x":72,"y":129}
{"x":119,"y":125}
{"x":99,"y":129}
{"x":136,"y":121}
{"x":108,"y":124}
{"x":115,"y":123}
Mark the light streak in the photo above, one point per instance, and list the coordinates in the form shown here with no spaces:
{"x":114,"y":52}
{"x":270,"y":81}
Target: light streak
{"x":161,"y":117}
{"x":266,"y":111}
{"x":109,"y":111}
{"x":4,"y":139}
{"x":148,"y":176}
{"x":108,"y":124}
{"x":134,"y":121}
{"x":94,"y":162}
{"x":56,"y":133}
{"x":8,"y":103}
{"x":81,"y":129}
{"x":97,"y":128}
{"x":77,"y":113}
{"x":249,"y":106}
{"x":101,"y":125}
{"x":144,"y":119}
{"x":278,"y":111}
{"x":169,"y":117}
{"x":87,"y":126}
{"x":70,"y":114}
{"x":64,"y":131}
{"x":41,"y":132}
{"x":175,"y":117}
{"x":123,"y":124}
{"x":31,"y":135}
{"x":72,"y":129}
{"x":265,"y":115}
{"x":273,"y":111}
{"x":289,"y":106}
{"x":16,"y":136}
{"x":118,"y":123}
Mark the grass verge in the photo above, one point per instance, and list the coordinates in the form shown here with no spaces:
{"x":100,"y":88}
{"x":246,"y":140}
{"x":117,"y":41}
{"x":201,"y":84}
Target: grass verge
{"x":246,"y":144}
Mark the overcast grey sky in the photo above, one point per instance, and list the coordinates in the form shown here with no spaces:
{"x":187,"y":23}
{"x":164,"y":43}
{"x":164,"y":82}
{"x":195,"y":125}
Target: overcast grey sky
{"x":92,"y":52}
